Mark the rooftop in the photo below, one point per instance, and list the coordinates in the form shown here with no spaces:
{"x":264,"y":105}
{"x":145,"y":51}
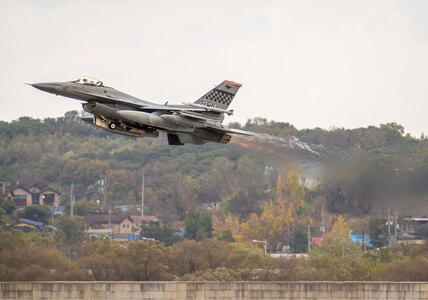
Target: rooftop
{"x":103,"y":219}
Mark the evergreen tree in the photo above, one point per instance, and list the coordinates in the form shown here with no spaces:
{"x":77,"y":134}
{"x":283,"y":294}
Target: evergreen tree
{"x":378,"y":232}
{"x":199,"y":225}
{"x":39,"y":213}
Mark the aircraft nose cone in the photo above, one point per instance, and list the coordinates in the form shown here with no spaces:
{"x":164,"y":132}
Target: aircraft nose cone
{"x":47,"y":87}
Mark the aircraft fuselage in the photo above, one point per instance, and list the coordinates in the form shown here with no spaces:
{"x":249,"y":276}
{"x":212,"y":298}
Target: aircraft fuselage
{"x":122,"y":113}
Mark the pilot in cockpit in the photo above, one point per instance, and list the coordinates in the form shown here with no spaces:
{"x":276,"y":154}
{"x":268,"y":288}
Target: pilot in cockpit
{"x":88,"y":81}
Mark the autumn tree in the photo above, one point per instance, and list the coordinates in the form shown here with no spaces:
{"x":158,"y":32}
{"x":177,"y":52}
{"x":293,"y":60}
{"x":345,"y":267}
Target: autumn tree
{"x":276,"y":221}
{"x":412,"y":267}
{"x":340,"y":229}
{"x":226,"y":227}
{"x":190,"y":260}
{"x":294,"y":189}
{"x":104,"y":260}
{"x":146,"y":261}
{"x":185,"y":257}
{"x":29,"y":257}
{"x":218,"y":274}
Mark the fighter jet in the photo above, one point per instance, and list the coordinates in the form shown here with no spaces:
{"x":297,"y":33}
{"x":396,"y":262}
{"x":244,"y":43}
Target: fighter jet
{"x":110,"y":109}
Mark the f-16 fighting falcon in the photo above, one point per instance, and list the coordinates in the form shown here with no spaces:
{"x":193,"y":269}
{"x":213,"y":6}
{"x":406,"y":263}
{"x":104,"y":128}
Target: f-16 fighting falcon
{"x":115,"y":111}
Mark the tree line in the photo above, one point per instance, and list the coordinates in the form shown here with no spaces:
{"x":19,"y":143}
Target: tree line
{"x":33,"y":257}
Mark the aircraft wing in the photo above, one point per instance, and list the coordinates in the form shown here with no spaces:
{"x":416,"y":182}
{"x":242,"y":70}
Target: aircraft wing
{"x":139,"y":104}
{"x":170,"y":108}
{"x":112,"y":98}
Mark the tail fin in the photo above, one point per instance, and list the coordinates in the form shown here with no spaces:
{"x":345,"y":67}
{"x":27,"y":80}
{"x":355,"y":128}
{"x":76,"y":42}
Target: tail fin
{"x":221,"y":96}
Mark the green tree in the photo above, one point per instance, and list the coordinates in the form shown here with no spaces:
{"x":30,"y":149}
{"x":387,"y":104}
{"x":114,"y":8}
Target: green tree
{"x":247,"y":190}
{"x":198,"y":225}
{"x":339,"y":259}
{"x":161,"y":233}
{"x":84,"y":207}
{"x":38,"y":213}
{"x":299,"y":242}
{"x":71,"y":232}
{"x":378,"y":232}
{"x":247,"y":258}
{"x":6,"y":209}
{"x":227,"y":236}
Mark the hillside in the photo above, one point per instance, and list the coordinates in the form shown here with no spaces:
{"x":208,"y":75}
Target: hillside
{"x":360,"y":171}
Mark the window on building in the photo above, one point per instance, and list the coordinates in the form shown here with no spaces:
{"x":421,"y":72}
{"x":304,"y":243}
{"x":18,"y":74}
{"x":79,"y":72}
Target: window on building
{"x":49,"y":199}
{"x":20,"y":200}
{"x":35,"y":198}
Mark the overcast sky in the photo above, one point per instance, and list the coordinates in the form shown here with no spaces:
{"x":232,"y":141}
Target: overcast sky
{"x":311,"y":63}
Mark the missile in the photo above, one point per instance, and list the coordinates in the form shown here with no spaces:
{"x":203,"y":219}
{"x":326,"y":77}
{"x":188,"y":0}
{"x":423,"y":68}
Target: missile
{"x":208,"y":108}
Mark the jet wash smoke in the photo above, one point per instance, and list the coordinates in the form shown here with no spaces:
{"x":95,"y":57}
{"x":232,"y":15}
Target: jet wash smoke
{"x":290,"y":142}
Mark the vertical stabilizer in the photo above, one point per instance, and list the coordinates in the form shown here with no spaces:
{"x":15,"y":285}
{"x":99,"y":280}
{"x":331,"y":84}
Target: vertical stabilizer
{"x":221,"y":96}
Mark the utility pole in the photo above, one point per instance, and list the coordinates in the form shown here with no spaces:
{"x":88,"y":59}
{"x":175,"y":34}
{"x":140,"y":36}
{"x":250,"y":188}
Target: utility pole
{"x":71,"y":200}
{"x":109,"y":220}
{"x":395,"y":227}
{"x":389,"y":224}
{"x":105,"y":191}
{"x":309,"y":238}
{"x":142,"y":195}
{"x":364,"y":242}
{"x":322,"y":222}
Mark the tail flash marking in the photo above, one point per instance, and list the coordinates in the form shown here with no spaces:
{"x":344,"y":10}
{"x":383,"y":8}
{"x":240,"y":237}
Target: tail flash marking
{"x":221,"y":96}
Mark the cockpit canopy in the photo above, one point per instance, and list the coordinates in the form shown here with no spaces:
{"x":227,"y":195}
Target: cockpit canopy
{"x":88,"y":81}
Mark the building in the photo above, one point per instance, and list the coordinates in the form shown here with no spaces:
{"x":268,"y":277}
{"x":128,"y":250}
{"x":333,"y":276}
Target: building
{"x":116,"y":224}
{"x":140,"y":221}
{"x":4,"y":187}
{"x":412,"y":225}
{"x":33,"y":194}
{"x":363,"y":239}
{"x":317,"y":240}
